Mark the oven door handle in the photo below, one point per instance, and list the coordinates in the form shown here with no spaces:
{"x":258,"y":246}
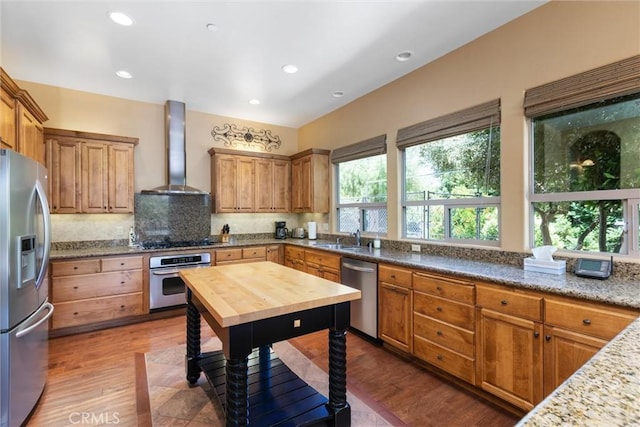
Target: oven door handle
{"x":164,"y":272}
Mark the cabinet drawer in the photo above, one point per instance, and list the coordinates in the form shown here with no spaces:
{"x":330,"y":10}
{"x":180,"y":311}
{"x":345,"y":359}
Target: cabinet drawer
{"x":96,"y":310}
{"x":454,"y":338}
{"x":444,"y":310}
{"x":394,"y":275}
{"x":122,"y":263}
{"x":444,"y":287}
{"x":228,"y":255}
{"x":322,"y":258}
{"x":95,"y":285}
{"x":447,"y":360}
{"x":509,"y":302}
{"x":70,"y":268}
{"x":600,"y":322}
{"x":252,"y":253}
{"x":293,"y":252}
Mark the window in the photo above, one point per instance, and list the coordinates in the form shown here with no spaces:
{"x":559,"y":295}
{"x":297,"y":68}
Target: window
{"x":451,"y":177}
{"x":586,"y":161}
{"x":362,"y":186}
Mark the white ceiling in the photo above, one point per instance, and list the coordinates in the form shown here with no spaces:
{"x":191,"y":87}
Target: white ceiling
{"x":338,"y":45}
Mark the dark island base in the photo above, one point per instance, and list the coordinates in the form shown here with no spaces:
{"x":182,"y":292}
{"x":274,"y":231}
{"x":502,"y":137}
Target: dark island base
{"x":277,"y":396}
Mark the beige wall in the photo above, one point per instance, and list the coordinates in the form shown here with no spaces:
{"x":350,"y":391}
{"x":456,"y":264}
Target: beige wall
{"x":75,"y":110}
{"x":554,"y":41}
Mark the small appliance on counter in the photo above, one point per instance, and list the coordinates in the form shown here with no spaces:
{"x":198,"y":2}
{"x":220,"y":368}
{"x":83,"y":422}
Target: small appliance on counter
{"x":312,"y":229}
{"x":297,"y":233}
{"x":281,"y":230}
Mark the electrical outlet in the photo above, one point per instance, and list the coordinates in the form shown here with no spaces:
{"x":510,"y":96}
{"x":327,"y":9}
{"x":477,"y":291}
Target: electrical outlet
{"x":415,"y":248}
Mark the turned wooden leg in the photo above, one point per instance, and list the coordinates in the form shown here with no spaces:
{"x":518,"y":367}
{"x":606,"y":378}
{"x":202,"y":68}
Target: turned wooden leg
{"x":193,"y":342}
{"x":237,"y":393}
{"x":338,"y":377}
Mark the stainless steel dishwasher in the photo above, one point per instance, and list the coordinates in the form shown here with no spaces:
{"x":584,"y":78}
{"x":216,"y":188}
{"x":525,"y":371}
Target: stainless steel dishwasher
{"x":363,"y":276}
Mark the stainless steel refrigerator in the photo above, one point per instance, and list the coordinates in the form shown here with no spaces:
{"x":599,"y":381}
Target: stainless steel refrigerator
{"x":25,"y":239}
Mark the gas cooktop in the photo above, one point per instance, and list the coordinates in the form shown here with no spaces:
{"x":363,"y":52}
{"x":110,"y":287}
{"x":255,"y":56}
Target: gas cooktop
{"x":167,"y":244}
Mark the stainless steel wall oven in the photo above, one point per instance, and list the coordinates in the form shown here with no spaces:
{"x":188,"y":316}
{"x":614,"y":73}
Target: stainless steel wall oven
{"x":166,"y":288}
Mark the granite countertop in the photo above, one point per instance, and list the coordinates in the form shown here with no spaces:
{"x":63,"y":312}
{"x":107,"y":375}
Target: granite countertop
{"x":624,"y":293}
{"x":605,"y":391}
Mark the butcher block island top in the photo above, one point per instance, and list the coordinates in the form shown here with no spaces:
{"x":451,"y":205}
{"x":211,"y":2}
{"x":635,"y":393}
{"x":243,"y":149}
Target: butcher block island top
{"x":240,"y":293}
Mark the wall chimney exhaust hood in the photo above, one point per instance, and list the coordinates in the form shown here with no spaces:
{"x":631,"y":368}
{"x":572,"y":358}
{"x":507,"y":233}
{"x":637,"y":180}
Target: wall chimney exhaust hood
{"x":175,"y":142}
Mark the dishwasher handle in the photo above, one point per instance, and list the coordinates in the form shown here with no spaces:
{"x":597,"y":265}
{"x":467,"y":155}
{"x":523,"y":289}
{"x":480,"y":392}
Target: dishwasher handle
{"x":358,"y":268}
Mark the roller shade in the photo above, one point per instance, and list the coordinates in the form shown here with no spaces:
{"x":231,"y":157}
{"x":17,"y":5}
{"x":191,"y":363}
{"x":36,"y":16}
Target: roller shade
{"x":367,"y":148}
{"x":617,"y":79}
{"x":464,"y":121}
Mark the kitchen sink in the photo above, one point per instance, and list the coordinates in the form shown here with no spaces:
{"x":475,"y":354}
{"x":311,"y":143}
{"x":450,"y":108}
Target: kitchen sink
{"x":338,"y":246}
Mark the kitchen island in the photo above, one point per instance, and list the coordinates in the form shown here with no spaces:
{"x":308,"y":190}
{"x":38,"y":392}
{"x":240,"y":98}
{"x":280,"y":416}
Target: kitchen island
{"x":251,"y":306}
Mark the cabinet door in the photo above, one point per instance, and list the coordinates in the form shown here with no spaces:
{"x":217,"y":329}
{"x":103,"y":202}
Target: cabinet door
{"x":121,"y":178}
{"x":245,"y":190}
{"x":394,"y":311}
{"x":264,"y":182}
{"x":63,"y":162}
{"x":301,"y":184}
{"x":510,"y":358}
{"x":564,"y":353}
{"x":225,"y":185}
{"x":30,"y":135}
{"x":8,"y":134}
{"x":95,"y":175}
{"x":275,"y":253}
{"x":281,"y":186}
{"x":331,"y":274}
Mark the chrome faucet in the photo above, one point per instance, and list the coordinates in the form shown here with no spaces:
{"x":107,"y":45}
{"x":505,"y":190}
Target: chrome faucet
{"x":357,"y":236}
{"x":338,"y":240}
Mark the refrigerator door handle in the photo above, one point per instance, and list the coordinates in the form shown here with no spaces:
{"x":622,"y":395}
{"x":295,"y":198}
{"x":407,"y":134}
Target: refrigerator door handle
{"x":46,"y":306}
{"x":42,"y":197}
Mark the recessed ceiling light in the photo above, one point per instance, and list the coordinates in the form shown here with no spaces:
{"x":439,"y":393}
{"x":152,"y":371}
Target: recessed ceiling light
{"x":212,"y":27}
{"x":404,"y":56}
{"x":121,"y":18}
{"x":290,"y":68}
{"x":254,"y":101}
{"x":337,"y":94}
{"x":124,"y":74}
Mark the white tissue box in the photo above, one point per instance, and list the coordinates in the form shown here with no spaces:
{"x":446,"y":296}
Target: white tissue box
{"x":545,"y":266}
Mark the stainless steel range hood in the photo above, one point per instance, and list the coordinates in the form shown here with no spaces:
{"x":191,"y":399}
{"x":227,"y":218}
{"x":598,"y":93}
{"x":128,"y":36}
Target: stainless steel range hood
{"x":175,"y":142}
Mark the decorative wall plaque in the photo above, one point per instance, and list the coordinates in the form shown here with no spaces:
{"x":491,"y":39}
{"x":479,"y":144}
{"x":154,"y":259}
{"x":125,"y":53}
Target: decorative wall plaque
{"x":231,"y":136}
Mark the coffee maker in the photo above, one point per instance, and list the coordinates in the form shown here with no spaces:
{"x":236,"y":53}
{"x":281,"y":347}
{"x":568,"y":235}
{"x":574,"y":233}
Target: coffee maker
{"x":281,"y":230}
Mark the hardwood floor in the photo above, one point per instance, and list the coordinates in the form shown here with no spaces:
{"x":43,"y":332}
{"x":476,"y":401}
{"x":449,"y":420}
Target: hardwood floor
{"x":92,"y":380}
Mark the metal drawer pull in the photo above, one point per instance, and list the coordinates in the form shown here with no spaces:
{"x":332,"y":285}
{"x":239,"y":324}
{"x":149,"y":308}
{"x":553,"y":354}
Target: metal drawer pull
{"x":440,"y":357}
{"x":536,"y":334}
{"x":504,"y":302}
{"x":439,"y":333}
{"x":438,"y":288}
{"x":439,"y":308}
{"x":547,"y":337}
{"x":586,"y":321}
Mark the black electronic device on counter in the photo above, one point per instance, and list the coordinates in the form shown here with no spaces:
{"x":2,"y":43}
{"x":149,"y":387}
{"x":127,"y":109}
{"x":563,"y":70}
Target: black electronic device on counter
{"x":594,"y":268}
{"x":281,"y":230}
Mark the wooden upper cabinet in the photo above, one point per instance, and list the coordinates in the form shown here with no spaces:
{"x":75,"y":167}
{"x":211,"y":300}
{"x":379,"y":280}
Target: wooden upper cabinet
{"x":273,"y":184}
{"x":63,"y":162}
{"x":310,"y":181}
{"x":8,"y":135}
{"x":21,"y":121}
{"x":90,"y":173}
{"x":249,"y":182}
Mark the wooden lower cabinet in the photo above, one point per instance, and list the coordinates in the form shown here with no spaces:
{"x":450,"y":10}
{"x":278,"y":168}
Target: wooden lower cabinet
{"x":275,"y":253}
{"x":322,"y":264}
{"x":92,"y":290}
{"x":294,"y":258}
{"x":395,"y":306}
{"x":240,"y":255}
{"x":444,"y":323}
{"x":510,"y":355}
{"x":574,"y":332}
